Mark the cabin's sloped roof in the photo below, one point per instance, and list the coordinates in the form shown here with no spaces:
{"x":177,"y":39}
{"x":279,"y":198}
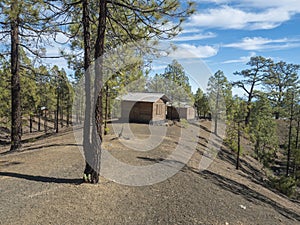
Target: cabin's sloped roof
{"x":180,"y":104}
{"x":144,"y":97}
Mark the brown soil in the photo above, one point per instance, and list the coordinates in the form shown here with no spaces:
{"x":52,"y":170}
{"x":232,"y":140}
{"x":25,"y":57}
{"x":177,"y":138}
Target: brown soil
{"x":42,"y":185}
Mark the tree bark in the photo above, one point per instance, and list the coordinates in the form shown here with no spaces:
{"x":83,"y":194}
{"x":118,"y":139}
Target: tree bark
{"x":87,"y":86}
{"x":106,"y":109}
{"x":249,"y":110}
{"x":97,"y":119}
{"x":57,"y":111}
{"x":217,"y":109}
{"x":239,"y":148}
{"x":39,"y":123}
{"x":16,"y":120}
{"x":296,"y":147}
{"x":93,"y":156}
{"x":68,"y":109}
{"x":30,"y":123}
{"x":290,"y":138}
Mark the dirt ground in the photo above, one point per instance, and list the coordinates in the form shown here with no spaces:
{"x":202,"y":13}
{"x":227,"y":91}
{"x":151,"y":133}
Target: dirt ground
{"x":42,"y":184}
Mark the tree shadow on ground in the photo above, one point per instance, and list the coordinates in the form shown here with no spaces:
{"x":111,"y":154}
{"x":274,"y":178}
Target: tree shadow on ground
{"x":247,"y":193}
{"x":201,"y":127}
{"x":254,"y":174}
{"x":49,"y":146}
{"x":38,"y":147}
{"x":4,"y":142}
{"x":234,"y":187}
{"x":42,"y":178}
{"x":161,"y":160}
{"x":41,"y":136}
{"x":5,"y":163}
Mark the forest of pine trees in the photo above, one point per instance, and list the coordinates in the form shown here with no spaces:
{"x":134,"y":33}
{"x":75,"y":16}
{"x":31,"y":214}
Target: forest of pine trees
{"x":31,"y":90}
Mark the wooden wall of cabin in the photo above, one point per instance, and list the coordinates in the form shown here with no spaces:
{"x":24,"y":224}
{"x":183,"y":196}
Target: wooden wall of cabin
{"x":159,"y":111}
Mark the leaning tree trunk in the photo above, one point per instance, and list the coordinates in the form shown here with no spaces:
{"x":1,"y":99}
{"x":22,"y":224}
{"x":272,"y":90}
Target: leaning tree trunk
{"x":16,"y":122}
{"x":249,"y":110}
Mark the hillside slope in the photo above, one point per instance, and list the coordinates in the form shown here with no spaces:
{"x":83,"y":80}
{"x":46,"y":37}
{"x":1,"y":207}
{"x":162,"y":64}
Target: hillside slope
{"x":41,"y":186}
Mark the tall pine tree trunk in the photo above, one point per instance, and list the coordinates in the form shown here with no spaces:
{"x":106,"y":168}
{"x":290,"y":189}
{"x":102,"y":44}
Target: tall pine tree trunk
{"x":296,"y":148}
{"x":97,"y":118}
{"x":16,"y":121}
{"x":93,"y":149}
{"x":87,"y":88}
{"x":217,"y":110}
{"x":57,"y":111}
{"x":237,"y":166}
{"x":106,"y":109}
{"x":290,"y":137}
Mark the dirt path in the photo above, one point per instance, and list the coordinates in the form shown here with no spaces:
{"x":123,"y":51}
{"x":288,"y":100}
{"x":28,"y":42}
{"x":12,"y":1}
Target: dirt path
{"x":41,"y":186}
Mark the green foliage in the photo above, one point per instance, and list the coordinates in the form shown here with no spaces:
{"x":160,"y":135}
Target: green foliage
{"x":184,"y":123}
{"x":263,"y":130}
{"x":128,"y":22}
{"x":219,"y":94}
{"x":5,"y":103}
{"x":106,"y":129}
{"x":231,"y":137}
{"x":201,"y":103}
{"x":238,"y":108}
{"x":251,"y":78}
{"x":282,"y":76}
{"x":286,"y":185}
{"x":174,"y":83}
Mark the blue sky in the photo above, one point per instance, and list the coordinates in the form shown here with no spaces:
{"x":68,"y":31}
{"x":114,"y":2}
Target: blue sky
{"x":224,"y":34}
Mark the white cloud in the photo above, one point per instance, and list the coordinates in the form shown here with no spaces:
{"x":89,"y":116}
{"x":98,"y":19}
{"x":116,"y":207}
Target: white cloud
{"x":243,"y":59}
{"x":260,"y":43}
{"x":214,"y":1}
{"x":226,"y":17}
{"x":292,"y":5}
{"x":190,"y":30}
{"x":195,"y":37}
{"x":188,"y":51}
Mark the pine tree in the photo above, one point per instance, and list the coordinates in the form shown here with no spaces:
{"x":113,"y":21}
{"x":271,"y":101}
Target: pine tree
{"x":147,"y":18}
{"x":27,"y":23}
{"x":252,"y":78}
{"x":219,"y":90}
{"x":263,"y":130}
{"x":235,"y":128}
{"x":282,"y":76}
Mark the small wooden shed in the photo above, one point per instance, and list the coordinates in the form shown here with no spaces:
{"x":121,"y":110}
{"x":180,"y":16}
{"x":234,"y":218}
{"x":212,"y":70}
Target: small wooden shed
{"x":180,"y":111}
{"x":144,"y":107}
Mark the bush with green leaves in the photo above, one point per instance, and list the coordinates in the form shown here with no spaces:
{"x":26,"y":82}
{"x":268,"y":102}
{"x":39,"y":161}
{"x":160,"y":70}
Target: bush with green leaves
{"x":286,"y":185}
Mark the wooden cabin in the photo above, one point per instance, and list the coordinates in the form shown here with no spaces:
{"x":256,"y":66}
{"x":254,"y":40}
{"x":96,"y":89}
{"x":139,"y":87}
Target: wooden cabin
{"x":180,"y":111}
{"x":144,"y":107}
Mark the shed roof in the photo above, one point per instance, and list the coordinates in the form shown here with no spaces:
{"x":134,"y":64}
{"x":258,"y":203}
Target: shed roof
{"x":180,"y":105}
{"x":144,"y":97}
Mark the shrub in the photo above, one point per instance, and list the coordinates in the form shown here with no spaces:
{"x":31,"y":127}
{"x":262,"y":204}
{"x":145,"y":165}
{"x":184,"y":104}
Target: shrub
{"x":184,"y":123}
{"x":286,"y":185}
